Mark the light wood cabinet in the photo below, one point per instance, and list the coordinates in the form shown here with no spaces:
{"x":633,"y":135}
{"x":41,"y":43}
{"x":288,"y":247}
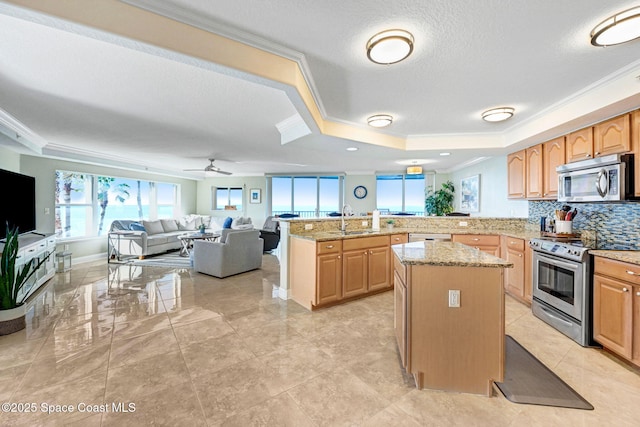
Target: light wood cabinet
{"x":553,"y":155}
{"x":400,"y":316}
{"x":516,"y":173}
{"x":329,"y":278}
{"x":489,"y":243}
{"x":616,"y":307}
{"x":635,"y":146}
{"x":513,"y":250}
{"x":528,"y":279}
{"x":330,"y":272}
{"x":534,"y":172}
{"x":579,"y":145}
{"x":612,"y":136}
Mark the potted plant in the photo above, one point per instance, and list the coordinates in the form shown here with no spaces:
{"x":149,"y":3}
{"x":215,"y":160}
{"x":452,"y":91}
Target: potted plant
{"x":12,"y":280}
{"x":440,"y":202}
{"x":390,"y":223}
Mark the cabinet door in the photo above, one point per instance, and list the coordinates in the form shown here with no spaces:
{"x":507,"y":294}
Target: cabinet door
{"x":516,"y":175}
{"x":635,"y":146}
{"x":528,"y":279}
{"x":354,"y":272}
{"x":534,"y":172}
{"x":400,"y":318}
{"x":380,"y":267}
{"x":329,"y":278}
{"x":553,"y":155}
{"x":612,"y":314}
{"x":612,"y":136}
{"x":514,"y":277}
{"x":580,"y":145}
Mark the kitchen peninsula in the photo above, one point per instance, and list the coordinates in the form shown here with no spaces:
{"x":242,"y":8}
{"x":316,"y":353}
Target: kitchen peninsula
{"x":449,"y":315}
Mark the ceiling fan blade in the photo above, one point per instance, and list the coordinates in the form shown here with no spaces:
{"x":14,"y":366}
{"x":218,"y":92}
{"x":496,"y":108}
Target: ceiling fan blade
{"x":222,"y":172}
{"x":192,"y":170}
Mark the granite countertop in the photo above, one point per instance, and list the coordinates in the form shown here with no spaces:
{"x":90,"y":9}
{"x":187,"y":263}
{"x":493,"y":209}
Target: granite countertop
{"x":632,"y":257}
{"x":320,"y":236}
{"x":446,"y":254}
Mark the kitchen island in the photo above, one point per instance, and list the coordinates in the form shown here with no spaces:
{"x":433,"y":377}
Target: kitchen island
{"x":449,"y":315}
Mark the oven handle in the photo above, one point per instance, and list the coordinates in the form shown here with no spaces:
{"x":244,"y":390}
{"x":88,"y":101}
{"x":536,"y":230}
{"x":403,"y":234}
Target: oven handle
{"x":550,"y":314}
{"x":555,"y":261}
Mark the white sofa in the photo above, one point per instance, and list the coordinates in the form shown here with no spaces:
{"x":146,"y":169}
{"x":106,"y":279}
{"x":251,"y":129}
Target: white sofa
{"x":154,"y":237}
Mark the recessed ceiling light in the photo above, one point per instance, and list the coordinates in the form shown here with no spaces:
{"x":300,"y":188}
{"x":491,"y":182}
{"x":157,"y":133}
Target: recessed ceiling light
{"x":390,"y":46}
{"x":498,"y":114}
{"x":619,"y":28}
{"x":380,"y":120}
{"x":352,"y":149}
{"x":445,"y":154}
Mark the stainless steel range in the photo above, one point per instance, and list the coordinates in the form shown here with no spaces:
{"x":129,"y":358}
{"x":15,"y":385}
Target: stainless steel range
{"x":562,"y":288}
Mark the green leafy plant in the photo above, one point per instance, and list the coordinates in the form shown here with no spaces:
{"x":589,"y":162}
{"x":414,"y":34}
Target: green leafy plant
{"x":12,"y":280}
{"x":440,"y":202}
{"x":391,"y":221}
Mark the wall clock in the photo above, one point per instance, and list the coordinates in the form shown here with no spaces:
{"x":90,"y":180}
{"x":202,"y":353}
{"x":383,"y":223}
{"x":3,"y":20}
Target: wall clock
{"x":360,"y":192}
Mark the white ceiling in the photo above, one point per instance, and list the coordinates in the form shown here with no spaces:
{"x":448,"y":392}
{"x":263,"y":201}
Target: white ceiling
{"x":89,"y":95}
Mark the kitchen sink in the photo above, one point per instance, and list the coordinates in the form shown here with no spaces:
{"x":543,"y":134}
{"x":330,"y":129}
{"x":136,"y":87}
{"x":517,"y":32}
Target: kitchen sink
{"x":352,"y":232}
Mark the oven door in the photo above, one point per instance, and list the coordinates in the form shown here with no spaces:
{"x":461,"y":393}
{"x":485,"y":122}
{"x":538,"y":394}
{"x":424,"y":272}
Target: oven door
{"x":559,"y":283}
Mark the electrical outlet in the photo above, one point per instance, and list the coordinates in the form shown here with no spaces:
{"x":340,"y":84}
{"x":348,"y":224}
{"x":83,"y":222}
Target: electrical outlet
{"x":47,"y":211}
{"x":463,"y":223}
{"x":365,"y":223}
{"x":308,"y":226}
{"x":454,"y":298}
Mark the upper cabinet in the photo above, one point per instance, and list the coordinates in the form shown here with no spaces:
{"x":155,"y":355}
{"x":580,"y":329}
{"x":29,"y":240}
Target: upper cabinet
{"x":534,"y":172}
{"x":612,"y":136}
{"x":580,"y":145}
{"x":553,"y":155}
{"x":516,"y":175}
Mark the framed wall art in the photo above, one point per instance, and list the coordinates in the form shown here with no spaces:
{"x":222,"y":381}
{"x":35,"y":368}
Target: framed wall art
{"x":470,"y":194}
{"x":255,"y":195}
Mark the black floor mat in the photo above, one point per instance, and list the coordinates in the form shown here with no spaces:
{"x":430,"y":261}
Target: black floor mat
{"x":527,"y":380}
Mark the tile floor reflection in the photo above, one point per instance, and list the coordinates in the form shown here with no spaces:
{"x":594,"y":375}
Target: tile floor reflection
{"x":188,"y":349}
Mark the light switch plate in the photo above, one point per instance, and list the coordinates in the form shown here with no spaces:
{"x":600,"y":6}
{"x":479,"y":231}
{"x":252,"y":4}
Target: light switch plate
{"x":454,"y":298}
{"x":308,"y":226}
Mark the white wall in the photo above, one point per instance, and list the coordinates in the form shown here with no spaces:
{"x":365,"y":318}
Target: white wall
{"x":9,"y":160}
{"x":493,"y":189}
{"x":257,"y":211}
{"x":368,"y":204}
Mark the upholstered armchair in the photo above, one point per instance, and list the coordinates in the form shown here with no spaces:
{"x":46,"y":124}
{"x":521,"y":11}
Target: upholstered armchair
{"x":236,"y":251}
{"x":270,"y":233}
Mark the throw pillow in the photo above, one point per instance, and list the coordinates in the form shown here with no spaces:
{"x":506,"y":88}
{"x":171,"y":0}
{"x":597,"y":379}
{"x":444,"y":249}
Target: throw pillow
{"x":227,"y":222}
{"x":153,"y":227}
{"x":169,"y":225}
{"x":136,"y":226}
{"x":188,"y":225}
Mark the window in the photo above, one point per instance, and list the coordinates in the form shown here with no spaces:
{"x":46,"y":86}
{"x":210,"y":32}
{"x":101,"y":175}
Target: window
{"x":227,"y":196}
{"x":401,"y":193}
{"x":86,"y":204}
{"x":305,"y":195}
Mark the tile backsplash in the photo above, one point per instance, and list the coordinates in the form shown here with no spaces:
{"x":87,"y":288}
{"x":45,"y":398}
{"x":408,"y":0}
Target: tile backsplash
{"x":616,"y":225}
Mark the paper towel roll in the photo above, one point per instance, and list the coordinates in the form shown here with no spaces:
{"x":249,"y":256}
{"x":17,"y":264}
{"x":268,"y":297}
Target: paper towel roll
{"x":375,"y":222}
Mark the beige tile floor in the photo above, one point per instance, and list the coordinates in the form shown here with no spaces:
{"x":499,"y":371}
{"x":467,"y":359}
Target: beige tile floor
{"x":185,"y":349}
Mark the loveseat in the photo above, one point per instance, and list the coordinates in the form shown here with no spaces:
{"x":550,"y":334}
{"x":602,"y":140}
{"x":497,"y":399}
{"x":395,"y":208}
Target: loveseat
{"x":146,"y":238}
{"x":236,"y":251}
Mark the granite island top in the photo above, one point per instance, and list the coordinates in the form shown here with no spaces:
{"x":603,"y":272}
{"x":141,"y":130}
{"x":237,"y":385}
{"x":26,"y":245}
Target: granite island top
{"x":632,"y":257}
{"x":446,"y":254}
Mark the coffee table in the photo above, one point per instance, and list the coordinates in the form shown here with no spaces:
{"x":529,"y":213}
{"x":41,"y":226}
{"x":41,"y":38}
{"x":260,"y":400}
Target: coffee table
{"x":187,"y":241}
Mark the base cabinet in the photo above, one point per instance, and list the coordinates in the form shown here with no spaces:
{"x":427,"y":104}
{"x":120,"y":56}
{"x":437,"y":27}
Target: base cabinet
{"x":616,"y":307}
{"x":489,"y":243}
{"x":400,"y":317}
{"x":329,"y":278}
{"x":517,"y":282}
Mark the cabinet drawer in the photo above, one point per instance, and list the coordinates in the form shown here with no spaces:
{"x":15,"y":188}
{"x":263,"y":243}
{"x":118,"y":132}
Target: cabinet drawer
{"x":397,"y":239}
{"x":329,"y":247}
{"x":400,"y":269}
{"x":514,"y":243}
{"x":364,"y":242}
{"x":617,"y":269}
{"x":477,"y":239}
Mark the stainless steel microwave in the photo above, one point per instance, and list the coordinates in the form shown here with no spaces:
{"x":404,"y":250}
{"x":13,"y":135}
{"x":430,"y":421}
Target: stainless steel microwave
{"x":602,"y":179}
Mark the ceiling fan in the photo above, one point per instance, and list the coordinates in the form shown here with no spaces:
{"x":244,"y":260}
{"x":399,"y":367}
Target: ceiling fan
{"x":210,"y":168}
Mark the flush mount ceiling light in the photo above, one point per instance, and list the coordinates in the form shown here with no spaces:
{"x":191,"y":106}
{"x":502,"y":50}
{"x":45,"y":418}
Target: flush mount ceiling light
{"x":390,"y":46}
{"x":380,"y":120}
{"x":498,"y":114}
{"x":619,"y":28}
{"x":352,"y":149}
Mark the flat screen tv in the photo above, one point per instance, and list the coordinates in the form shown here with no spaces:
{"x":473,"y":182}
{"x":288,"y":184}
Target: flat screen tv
{"x":18,"y":206}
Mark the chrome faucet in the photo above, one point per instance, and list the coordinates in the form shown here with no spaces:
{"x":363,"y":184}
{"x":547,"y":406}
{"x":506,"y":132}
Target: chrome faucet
{"x":343,"y":226}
